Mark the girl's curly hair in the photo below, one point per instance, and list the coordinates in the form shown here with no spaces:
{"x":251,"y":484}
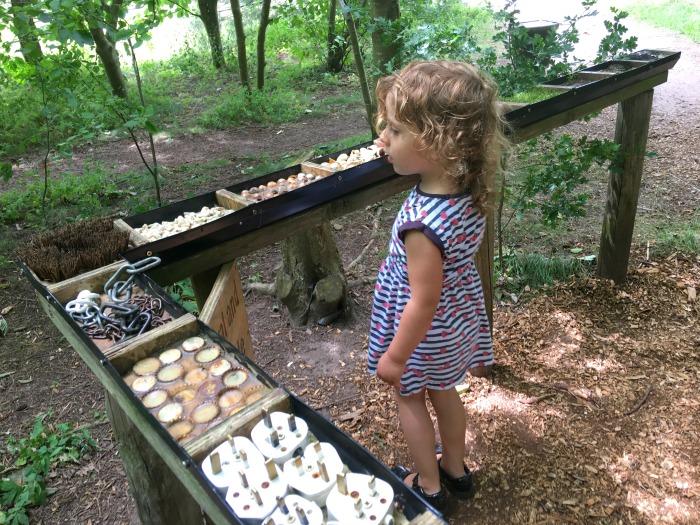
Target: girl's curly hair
{"x":452,"y":109}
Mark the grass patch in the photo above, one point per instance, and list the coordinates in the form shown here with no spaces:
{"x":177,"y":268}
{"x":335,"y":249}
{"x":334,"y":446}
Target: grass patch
{"x":677,"y":238}
{"x":264,"y":107}
{"x":535,"y":270}
{"x":46,"y":447}
{"x":676,"y":15}
{"x":69,"y":196}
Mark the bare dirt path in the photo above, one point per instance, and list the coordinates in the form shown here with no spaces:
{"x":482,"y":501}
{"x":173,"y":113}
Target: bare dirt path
{"x":549,"y":441}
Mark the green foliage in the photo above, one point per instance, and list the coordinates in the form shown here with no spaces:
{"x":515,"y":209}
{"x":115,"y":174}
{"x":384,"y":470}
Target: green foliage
{"x":46,"y":447}
{"x":300,"y":29}
{"x":518,"y":270}
{"x":613,"y":43}
{"x":86,"y":195}
{"x":681,"y":237}
{"x":446,"y":29}
{"x":553,"y":169}
{"x":183,"y":293}
{"x":682,"y":16}
{"x":269,"y":106}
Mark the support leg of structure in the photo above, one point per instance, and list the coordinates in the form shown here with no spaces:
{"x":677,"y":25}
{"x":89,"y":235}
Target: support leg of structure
{"x":631,"y":133}
{"x":202,"y":283}
{"x":160,"y":497}
{"x":484,"y":264}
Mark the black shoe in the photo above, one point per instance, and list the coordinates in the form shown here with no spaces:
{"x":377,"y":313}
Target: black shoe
{"x":439,"y":500}
{"x":461,"y":487}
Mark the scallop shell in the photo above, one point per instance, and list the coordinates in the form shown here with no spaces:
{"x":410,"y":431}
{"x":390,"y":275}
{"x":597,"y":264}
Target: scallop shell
{"x":230,"y":398}
{"x":180,"y":429}
{"x":192,"y":344}
{"x":143,"y":384}
{"x":147,"y":366}
{"x":170,"y":373}
{"x":155,"y":398}
{"x":195,"y":376}
{"x":185,"y":396}
{"x":220,"y":367}
{"x":170,"y":356}
{"x":204,"y":413}
{"x":235,"y":378}
{"x":170,"y":413}
{"x":208,"y":354}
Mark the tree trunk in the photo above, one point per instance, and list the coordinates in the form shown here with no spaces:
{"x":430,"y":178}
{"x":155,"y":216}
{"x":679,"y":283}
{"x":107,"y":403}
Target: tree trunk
{"x":336,"y":51}
{"x":385,"y":44}
{"x":210,"y":19}
{"x":264,"y":21}
{"x":360,"y":65}
{"x":25,"y":30}
{"x":110,"y":60}
{"x":240,"y":43}
{"x":311,"y":282}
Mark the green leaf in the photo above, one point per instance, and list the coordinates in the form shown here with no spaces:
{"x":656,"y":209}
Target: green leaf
{"x":576,"y":250}
{"x":5,"y":171}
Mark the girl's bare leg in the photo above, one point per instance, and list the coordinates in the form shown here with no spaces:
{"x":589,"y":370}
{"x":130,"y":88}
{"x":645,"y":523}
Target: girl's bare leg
{"x":420,"y":436}
{"x":452,"y":424}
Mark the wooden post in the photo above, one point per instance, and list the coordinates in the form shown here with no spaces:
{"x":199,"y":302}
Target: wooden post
{"x":160,"y":497}
{"x":631,"y":132}
{"x":484,"y":264}
{"x":202,"y":284}
{"x":224,"y":309}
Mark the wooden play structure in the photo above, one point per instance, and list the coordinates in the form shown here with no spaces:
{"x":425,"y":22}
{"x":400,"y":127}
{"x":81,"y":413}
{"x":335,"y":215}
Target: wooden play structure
{"x":165,"y":473}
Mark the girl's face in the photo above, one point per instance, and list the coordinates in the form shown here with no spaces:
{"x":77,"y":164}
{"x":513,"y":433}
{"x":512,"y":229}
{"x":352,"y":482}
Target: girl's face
{"x":401,"y":147}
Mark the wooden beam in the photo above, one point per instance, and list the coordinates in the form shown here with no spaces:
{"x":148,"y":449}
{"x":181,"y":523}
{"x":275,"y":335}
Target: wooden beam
{"x":140,"y":424}
{"x":631,"y":132}
{"x":224,"y":309}
{"x":484,"y":264}
{"x":548,"y":124}
{"x":161,"y":499}
{"x":252,"y":241}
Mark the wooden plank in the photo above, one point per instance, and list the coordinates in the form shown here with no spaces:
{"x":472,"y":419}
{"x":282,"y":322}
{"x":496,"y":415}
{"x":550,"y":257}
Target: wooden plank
{"x":427,"y":518}
{"x":125,"y":355}
{"x":231,"y":201}
{"x":135,"y":238}
{"x":161,"y":498}
{"x":250,"y":242}
{"x":93,"y":280}
{"x":631,"y":132}
{"x":240,"y":424}
{"x":561,"y":119}
{"x":224,"y":309}
{"x":140,"y":424}
{"x":315,"y":169}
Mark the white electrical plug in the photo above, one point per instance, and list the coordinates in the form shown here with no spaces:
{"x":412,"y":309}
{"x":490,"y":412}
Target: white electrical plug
{"x":253,"y":493}
{"x":278,"y":435}
{"x":233,"y":455}
{"x":314,"y":474}
{"x":295,"y":510}
{"x":359,"y":499}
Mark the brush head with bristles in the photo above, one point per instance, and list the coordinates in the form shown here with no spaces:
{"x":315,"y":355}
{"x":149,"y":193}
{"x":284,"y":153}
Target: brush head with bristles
{"x":74,"y":249}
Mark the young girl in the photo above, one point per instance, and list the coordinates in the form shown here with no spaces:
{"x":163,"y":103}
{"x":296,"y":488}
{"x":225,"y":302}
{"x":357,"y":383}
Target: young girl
{"x":429,"y":324}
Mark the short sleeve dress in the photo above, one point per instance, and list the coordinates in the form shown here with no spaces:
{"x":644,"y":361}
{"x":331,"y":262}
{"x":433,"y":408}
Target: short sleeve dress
{"x":459,"y":337}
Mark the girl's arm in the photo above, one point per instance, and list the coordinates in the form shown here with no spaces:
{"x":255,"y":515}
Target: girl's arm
{"x":425,"y":281}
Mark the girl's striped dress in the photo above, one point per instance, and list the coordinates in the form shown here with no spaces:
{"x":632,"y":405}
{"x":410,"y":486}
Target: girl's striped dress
{"x":459,"y":337}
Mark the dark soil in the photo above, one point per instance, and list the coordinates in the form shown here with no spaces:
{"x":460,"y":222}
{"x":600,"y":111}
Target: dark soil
{"x":591,"y":415}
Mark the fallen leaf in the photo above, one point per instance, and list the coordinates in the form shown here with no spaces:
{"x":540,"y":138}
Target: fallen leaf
{"x":8,"y":309}
{"x":25,"y":381}
{"x":692,"y":294}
